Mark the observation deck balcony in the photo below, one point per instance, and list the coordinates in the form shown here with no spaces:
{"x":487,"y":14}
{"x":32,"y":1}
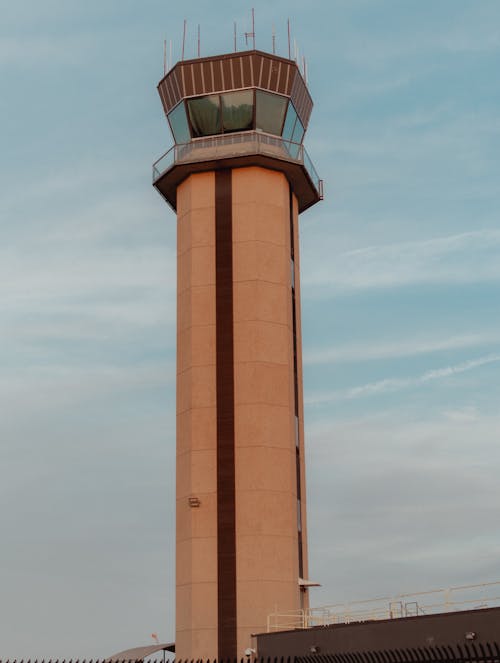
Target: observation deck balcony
{"x":236,"y":150}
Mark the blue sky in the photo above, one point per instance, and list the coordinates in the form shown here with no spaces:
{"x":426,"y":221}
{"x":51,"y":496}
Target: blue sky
{"x":400,"y":298}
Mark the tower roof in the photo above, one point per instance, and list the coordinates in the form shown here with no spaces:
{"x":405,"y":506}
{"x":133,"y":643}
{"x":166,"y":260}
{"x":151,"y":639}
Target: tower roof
{"x":236,"y":71}
{"x":239,"y":109}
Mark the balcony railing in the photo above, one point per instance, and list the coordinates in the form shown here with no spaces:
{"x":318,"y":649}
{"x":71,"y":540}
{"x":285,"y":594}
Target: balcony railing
{"x":237,"y":145}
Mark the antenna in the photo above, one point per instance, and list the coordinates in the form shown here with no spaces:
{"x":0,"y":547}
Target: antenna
{"x":289,"y":46}
{"x":235,"y":49}
{"x":304,"y":66}
{"x":251,"y":34}
{"x":183,"y":39}
{"x":170,"y":58}
{"x":253,"y":27}
{"x":198,"y":40}
{"x":164,"y":57}
{"x":274,"y":40}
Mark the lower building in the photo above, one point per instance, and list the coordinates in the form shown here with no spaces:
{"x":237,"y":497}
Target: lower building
{"x":469,"y":635}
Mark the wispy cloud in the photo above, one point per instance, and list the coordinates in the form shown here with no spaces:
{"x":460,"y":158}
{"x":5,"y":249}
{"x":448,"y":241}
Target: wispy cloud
{"x":51,"y":389}
{"x":397,"y":384}
{"x":79,"y":271}
{"x":415,"y":479}
{"x":463,"y":258}
{"x":391,"y":350}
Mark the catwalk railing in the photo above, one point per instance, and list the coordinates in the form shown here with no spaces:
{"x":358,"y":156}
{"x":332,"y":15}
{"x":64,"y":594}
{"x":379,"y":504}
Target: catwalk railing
{"x":235,"y":145}
{"x":466,"y":653}
{"x":452,"y":599}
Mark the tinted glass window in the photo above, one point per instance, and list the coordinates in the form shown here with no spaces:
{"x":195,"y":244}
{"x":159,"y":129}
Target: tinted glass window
{"x":237,"y":111}
{"x":294,"y":150}
{"x":204,"y":114}
{"x":179,"y":125}
{"x":291,"y":116}
{"x":298,"y":132}
{"x":270,"y":112}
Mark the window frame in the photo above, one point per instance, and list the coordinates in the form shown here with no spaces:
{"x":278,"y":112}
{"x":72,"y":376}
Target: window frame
{"x":202,"y":96}
{"x":254,"y":90}
{"x":172,"y":110}
{"x":282,"y":96}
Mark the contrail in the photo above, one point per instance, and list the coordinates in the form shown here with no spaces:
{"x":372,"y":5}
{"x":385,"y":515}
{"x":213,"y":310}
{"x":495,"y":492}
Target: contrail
{"x":395,"y":384}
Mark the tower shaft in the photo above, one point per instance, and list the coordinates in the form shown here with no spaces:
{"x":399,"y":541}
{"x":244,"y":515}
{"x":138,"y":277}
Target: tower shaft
{"x":241,"y":543}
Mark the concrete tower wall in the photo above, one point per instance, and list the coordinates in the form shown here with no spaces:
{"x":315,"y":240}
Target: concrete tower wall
{"x":237,"y":562}
{"x":266,"y":474}
{"x":196,"y":554}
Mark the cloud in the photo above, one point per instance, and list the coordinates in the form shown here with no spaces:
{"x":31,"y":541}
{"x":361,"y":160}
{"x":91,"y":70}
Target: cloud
{"x":84,"y":260}
{"x":402,"y":502}
{"x":467,"y":257}
{"x":397,"y":384}
{"x":467,"y":414}
{"x":51,"y":389}
{"x":412,"y":347}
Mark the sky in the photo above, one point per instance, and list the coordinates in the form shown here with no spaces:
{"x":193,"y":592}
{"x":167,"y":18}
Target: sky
{"x":400,"y":299}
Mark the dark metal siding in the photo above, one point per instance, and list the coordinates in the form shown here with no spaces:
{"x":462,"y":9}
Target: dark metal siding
{"x":301,"y":99}
{"x":376,"y":637}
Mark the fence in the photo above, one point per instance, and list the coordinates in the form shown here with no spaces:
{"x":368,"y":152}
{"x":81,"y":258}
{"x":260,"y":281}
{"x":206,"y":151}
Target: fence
{"x":466,"y":653}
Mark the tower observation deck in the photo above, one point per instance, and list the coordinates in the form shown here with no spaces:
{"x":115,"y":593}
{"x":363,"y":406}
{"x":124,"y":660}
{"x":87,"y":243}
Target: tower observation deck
{"x":237,"y":176}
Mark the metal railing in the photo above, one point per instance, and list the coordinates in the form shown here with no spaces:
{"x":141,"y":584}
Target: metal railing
{"x":452,"y":599}
{"x":234,"y":145}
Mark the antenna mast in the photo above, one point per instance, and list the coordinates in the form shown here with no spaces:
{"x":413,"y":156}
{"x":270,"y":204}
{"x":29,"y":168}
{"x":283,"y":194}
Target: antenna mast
{"x":183,"y":39}
{"x":164,"y":57}
{"x":198,"y":40}
{"x":235,"y":49}
{"x":274,"y":40}
{"x":251,"y":34}
{"x":253,"y":27}
{"x":289,"y":46}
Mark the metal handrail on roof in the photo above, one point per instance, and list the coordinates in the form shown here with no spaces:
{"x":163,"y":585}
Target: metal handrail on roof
{"x":452,"y":599}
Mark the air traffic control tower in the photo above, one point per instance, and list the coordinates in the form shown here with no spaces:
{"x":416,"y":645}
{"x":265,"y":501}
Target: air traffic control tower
{"x":238,"y":176}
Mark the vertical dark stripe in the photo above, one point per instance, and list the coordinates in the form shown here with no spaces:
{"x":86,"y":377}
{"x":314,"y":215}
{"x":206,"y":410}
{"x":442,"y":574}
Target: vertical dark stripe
{"x":295,"y":365}
{"x":296,"y":387}
{"x":290,"y":213}
{"x":226,"y":514}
